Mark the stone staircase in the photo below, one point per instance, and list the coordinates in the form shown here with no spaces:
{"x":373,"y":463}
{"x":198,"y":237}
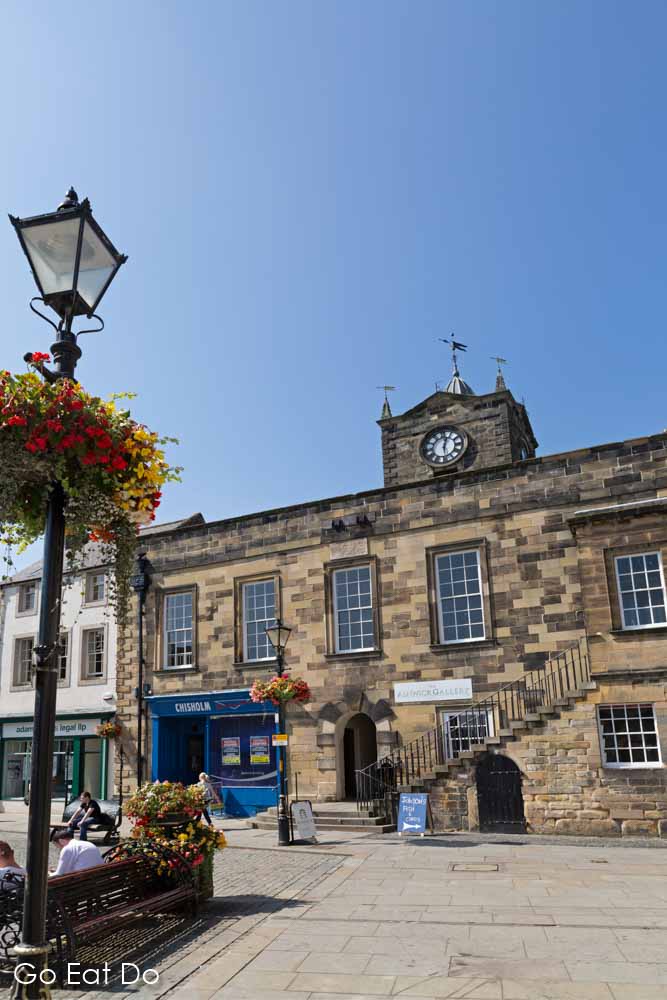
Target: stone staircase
{"x":341,"y":816}
{"x":515,"y":728}
{"x":514,"y":709}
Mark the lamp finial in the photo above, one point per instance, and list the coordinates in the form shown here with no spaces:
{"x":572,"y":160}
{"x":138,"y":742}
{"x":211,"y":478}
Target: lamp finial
{"x":71,"y":200}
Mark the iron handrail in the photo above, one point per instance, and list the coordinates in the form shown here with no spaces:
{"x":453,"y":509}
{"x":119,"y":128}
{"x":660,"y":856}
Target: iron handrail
{"x":377,"y":785}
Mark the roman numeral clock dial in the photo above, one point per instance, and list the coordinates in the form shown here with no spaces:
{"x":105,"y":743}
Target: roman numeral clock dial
{"x":443,"y":446}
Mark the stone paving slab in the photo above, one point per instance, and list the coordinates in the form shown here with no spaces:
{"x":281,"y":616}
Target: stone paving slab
{"x":362,"y":917}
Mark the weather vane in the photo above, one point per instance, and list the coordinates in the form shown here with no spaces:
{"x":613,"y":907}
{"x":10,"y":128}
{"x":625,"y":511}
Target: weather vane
{"x":500,"y":378}
{"x":386,"y":408}
{"x":455,"y":346}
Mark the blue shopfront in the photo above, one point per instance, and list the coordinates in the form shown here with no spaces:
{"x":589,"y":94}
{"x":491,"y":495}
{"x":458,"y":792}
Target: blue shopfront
{"x":223,"y":733}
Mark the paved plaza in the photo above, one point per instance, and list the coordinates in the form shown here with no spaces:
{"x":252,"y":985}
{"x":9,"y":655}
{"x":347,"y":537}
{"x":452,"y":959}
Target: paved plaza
{"x":480,"y":918}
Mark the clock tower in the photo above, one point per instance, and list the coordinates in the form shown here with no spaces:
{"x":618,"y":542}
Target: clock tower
{"x":454,"y":431}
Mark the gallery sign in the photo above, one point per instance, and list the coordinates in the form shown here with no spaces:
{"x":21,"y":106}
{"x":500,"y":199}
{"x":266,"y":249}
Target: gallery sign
{"x":64,"y":728}
{"x":449,"y":690}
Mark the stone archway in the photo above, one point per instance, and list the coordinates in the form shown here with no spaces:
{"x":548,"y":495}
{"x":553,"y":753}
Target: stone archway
{"x":356,"y":748}
{"x":499,"y":796}
{"x":333,"y":719}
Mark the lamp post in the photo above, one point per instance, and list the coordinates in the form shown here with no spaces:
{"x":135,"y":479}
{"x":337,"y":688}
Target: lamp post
{"x":73,"y":263}
{"x":278,"y":637}
{"x":140,"y":583}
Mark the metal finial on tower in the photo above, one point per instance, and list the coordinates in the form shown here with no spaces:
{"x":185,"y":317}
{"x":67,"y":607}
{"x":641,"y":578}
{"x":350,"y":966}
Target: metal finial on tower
{"x":456,"y":385}
{"x":500,"y":378}
{"x":386,"y":408}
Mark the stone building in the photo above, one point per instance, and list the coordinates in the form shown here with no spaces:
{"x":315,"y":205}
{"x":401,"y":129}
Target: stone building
{"x":477,"y":568}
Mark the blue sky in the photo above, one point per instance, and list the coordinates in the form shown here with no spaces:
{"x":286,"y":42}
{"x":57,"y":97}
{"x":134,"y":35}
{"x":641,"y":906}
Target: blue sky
{"x":311,"y":194}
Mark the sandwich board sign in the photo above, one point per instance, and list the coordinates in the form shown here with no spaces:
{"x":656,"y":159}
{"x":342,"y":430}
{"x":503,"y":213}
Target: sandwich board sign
{"x":303,"y":819}
{"x":412,"y":809}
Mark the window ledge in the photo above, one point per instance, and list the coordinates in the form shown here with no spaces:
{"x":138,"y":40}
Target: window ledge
{"x":30,"y":613}
{"x":633,"y":767}
{"x":446,"y":647}
{"x":256,"y":664}
{"x":631,"y":633}
{"x":361,"y":654}
{"x":177,"y":670}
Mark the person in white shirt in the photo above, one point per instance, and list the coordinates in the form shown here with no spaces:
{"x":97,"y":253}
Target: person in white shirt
{"x":8,"y":866}
{"x":75,"y":855}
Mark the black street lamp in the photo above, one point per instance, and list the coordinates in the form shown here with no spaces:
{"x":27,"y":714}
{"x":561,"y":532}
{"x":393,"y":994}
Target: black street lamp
{"x":140,"y":583}
{"x":73,"y":264}
{"x":278,"y":636}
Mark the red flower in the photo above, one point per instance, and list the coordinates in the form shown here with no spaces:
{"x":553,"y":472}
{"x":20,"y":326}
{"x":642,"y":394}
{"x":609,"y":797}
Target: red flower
{"x":54,"y":425}
{"x":76,"y":404}
{"x":103,"y":440}
{"x":118,"y":463}
{"x":89,"y":458}
{"x":17,"y":421}
{"x":41,"y":443}
{"x":31,"y":447}
{"x":39,"y":356}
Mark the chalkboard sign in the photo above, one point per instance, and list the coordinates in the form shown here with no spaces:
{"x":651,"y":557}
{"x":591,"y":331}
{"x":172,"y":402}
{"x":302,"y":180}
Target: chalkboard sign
{"x":412,"y":810}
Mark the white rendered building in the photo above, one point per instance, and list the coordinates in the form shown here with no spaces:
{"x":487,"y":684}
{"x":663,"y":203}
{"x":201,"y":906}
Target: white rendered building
{"x":86,"y":684}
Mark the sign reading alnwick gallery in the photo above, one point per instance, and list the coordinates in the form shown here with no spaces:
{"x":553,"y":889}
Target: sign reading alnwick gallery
{"x":451,"y":690}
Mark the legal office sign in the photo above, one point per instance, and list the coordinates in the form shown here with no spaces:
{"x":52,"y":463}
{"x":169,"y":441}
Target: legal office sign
{"x":446,"y":690}
{"x":63,"y":728}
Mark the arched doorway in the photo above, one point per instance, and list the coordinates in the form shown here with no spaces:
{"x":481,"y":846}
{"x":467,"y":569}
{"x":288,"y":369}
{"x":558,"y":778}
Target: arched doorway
{"x":359,"y":750}
{"x":499,"y":795}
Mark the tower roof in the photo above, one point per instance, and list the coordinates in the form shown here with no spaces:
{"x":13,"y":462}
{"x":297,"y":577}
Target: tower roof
{"x":458,"y":386}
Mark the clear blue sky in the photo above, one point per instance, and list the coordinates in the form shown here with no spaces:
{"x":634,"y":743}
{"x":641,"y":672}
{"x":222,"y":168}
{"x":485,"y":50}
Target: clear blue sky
{"x":311,"y":194}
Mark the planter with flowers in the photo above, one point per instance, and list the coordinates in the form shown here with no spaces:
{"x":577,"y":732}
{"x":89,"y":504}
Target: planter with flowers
{"x":109,"y":730}
{"x":166,"y":814}
{"x":111,"y":469}
{"x":280,"y":690}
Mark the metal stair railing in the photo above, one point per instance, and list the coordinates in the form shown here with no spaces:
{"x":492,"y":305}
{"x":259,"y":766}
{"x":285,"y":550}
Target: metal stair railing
{"x":377,"y":785}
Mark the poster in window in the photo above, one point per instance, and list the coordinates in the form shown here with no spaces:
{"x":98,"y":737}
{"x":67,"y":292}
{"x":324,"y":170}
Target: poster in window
{"x":231,"y":750}
{"x":259,"y":750}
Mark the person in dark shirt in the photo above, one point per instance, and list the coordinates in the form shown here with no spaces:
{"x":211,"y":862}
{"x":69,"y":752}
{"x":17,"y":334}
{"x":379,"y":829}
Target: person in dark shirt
{"x":89,"y":812}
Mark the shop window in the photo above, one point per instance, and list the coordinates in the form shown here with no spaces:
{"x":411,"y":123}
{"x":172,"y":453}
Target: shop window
{"x":259,"y":613}
{"x":96,"y":587}
{"x":354,"y":624}
{"x":23,"y":665}
{"x":28,"y":598}
{"x":629,"y":736}
{"x":464,"y":728}
{"x":459,"y":596}
{"x":92,"y":661}
{"x":63,"y":658}
{"x":178,"y":629}
{"x":641,"y":590}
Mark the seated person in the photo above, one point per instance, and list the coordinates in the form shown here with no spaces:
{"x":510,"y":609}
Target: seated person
{"x":75,"y":855}
{"x":88,"y":813}
{"x":10,"y":870}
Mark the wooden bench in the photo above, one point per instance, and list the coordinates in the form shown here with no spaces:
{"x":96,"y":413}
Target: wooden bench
{"x":86,"y":905}
{"x":111,"y":818}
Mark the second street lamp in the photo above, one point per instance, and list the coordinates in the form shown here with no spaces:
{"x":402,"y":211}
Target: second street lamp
{"x":73,"y":263}
{"x":278,"y":635}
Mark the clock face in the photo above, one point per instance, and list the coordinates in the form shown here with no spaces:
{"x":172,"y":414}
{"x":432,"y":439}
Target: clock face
{"x":443,"y":446}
